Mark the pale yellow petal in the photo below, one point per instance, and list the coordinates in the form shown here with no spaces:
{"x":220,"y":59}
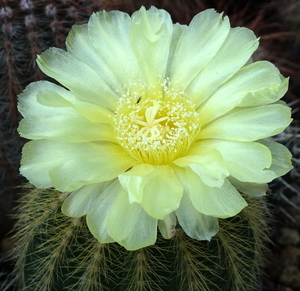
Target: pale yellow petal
{"x":207,"y":164}
{"x":130,"y":225}
{"x":28,"y":105}
{"x":80,"y":46}
{"x":167,"y":226}
{"x":248,"y":124}
{"x":81,"y":201}
{"x":229,"y":59}
{"x":281,"y":157}
{"x":43,"y":98}
{"x":257,"y":84}
{"x":245,"y":161}
{"x":252,"y":189}
{"x":97,"y":216}
{"x":197,"y":46}
{"x":265,"y":96}
{"x":134,"y":180}
{"x":162,"y":193}
{"x":153,"y":29}
{"x":77,"y":77}
{"x":109,"y":33}
{"x":56,"y":96}
{"x":221,"y":202}
{"x":178,"y":29}
{"x":69,"y":166}
{"x":109,"y":162}
{"x":75,"y":129}
{"x":195,"y":224}
{"x":46,"y":107}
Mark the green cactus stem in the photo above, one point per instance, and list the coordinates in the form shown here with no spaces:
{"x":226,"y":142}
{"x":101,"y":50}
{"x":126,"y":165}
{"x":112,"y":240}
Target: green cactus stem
{"x":55,"y":253}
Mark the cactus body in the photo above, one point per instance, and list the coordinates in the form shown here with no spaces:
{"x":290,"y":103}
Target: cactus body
{"x":55,"y":253}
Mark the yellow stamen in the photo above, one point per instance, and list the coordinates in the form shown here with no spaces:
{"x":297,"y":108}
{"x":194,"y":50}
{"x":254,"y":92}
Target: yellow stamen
{"x":159,"y":128}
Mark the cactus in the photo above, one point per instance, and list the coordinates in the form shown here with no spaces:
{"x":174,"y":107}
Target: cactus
{"x":56,"y":252}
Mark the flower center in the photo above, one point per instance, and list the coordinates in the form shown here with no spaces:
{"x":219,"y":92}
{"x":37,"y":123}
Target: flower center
{"x":155,"y":124}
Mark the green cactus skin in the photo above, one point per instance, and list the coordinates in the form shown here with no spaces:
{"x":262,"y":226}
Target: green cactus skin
{"x":55,"y":253}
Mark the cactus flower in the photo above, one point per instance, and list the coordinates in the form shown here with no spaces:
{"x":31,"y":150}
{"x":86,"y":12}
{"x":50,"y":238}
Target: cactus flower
{"x":157,"y":124}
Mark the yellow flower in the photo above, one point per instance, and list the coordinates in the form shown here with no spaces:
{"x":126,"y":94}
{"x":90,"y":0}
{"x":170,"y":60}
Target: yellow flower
{"x":159,"y":124}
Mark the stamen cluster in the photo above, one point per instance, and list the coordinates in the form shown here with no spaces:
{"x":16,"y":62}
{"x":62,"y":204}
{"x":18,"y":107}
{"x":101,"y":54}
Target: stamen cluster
{"x":156,"y":124}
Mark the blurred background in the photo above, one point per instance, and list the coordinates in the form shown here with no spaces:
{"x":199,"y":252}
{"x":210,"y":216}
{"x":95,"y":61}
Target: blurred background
{"x":28,"y":27}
